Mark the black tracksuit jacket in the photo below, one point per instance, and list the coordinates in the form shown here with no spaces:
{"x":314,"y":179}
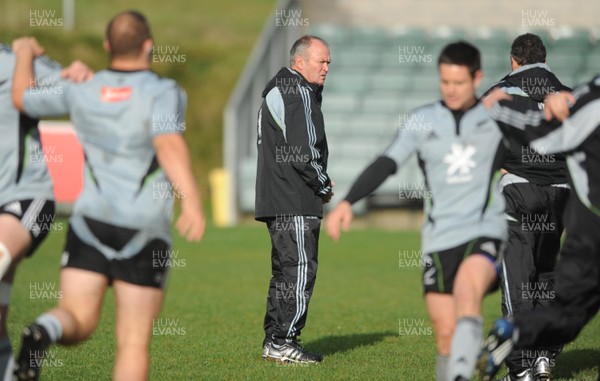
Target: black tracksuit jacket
{"x":529,"y":85}
{"x":292,"y":149}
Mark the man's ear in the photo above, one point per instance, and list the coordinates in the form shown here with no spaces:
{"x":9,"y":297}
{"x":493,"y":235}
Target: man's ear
{"x":513,"y":64}
{"x":299,"y":62}
{"x":106,"y":45}
{"x":147,"y":46}
{"x":478,"y":77}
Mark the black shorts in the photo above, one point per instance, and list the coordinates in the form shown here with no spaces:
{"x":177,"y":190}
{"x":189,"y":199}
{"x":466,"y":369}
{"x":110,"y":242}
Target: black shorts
{"x":441,"y":267}
{"x":36,"y":215}
{"x":146,"y":268}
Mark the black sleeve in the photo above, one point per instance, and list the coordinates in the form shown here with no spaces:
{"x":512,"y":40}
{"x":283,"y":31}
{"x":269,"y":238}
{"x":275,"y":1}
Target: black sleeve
{"x":371,"y":178}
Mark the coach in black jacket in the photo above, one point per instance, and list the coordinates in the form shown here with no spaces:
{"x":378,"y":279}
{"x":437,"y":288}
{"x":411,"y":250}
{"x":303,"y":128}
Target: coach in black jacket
{"x":536,"y":192}
{"x":291,"y":187}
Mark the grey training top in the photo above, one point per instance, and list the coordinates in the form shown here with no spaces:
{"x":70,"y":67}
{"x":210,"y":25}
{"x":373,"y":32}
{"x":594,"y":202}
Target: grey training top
{"x":116,"y":116}
{"x":460,"y":164}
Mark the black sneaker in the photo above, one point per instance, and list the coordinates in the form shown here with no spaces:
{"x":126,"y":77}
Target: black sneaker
{"x":291,"y":352}
{"x":33,"y":348}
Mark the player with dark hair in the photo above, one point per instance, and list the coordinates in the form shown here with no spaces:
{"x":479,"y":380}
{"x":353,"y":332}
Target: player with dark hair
{"x":578,"y":269}
{"x":536,"y":190}
{"x":460,"y":153}
{"x":26,"y":197}
{"x":291,"y":187}
{"x":118,"y":225}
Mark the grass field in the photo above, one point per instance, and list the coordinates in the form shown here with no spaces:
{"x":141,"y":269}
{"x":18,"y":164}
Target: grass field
{"x":366,"y":317}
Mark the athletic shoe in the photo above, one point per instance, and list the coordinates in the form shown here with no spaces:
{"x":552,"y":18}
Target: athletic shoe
{"x":541,"y":369}
{"x":289,"y":353}
{"x":523,"y":376}
{"x":33,"y":348}
{"x":496,"y":348}
{"x":265,"y":352}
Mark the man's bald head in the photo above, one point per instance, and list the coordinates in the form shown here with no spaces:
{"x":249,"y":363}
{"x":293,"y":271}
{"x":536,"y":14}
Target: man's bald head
{"x":126,"y":34}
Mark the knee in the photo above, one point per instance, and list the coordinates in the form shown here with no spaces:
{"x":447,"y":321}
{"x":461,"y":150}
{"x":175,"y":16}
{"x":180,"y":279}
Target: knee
{"x":75,"y":329}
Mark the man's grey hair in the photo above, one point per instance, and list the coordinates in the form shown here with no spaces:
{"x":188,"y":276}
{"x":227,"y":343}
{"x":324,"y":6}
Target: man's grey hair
{"x":301,"y":45}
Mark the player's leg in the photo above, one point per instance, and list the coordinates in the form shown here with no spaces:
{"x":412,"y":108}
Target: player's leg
{"x":137,"y":307}
{"x":578,"y":301}
{"x":83,"y":282}
{"x":296,"y":242}
{"x":310,"y":231}
{"x":270,"y":319}
{"x":443,"y":318}
{"x":73,"y":321}
{"x":577,"y":295}
{"x":15,"y":240}
{"x":438,"y":280}
{"x":545,"y":256}
{"x":518,"y":266}
{"x":476,"y":276}
{"x":6,"y":352}
{"x":23,"y":226}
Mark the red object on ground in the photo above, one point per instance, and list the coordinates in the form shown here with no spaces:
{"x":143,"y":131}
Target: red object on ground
{"x":64,"y":157}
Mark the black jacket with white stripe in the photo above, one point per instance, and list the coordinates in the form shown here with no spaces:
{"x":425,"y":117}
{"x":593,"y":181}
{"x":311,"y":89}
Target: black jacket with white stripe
{"x":292,"y":149}
{"x":578,"y":137}
{"x":529,"y":85}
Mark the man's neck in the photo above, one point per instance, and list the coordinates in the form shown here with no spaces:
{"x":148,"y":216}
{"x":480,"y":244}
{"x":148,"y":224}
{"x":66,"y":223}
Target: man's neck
{"x":469,"y":105}
{"x":129,"y":64}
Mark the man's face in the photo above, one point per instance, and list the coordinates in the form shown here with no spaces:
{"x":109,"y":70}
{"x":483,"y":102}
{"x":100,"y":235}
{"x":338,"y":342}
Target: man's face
{"x":315,"y":65}
{"x":457,"y":86}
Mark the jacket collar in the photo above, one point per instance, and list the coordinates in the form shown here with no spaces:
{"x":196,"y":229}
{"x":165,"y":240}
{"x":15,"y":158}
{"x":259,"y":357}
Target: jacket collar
{"x":311,"y":86}
{"x":530,"y":66}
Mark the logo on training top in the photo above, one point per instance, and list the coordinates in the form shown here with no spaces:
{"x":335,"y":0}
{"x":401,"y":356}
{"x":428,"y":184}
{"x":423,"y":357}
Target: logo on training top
{"x":14,"y":208}
{"x":115,"y":94}
{"x":489,"y":247}
{"x":460,"y":162}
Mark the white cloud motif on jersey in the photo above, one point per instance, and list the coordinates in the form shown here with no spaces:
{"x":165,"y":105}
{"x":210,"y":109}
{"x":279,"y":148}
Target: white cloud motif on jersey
{"x":460,"y":163}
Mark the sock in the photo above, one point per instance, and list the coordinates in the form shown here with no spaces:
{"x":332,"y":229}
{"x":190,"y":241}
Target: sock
{"x":5,"y":260}
{"x":52,"y":326}
{"x":6,"y":360}
{"x":465,"y":347}
{"x":441,"y":367}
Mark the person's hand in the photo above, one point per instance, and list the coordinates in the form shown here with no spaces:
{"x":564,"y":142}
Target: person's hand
{"x":77,"y":72}
{"x":495,"y":96}
{"x":339,"y":217}
{"x":191,"y":223}
{"x":27,"y":45}
{"x":328,"y":196}
{"x":557,"y":105}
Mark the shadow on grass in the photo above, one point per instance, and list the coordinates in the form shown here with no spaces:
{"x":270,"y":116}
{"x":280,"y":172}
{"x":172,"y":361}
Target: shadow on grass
{"x":330,"y":345}
{"x":568,"y":364}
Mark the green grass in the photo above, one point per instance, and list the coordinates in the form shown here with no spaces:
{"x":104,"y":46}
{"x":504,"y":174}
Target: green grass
{"x":217,"y":298}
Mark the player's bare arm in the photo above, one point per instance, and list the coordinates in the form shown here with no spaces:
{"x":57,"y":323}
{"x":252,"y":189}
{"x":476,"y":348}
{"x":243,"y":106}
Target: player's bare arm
{"x":495,"y":96}
{"x":25,"y":49}
{"x":77,"y":72}
{"x":557,"y":105}
{"x":173,"y":157}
